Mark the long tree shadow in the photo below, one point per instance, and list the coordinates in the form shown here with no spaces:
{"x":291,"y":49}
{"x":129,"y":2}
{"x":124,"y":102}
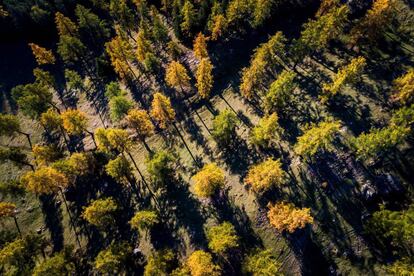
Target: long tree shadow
{"x":53,"y":220}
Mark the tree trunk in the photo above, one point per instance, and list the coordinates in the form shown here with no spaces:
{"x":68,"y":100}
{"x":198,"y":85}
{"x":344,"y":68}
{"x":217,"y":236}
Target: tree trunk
{"x":186,"y":146}
{"x":70,"y":217}
{"x":17,"y":226}
{"x":28,"y":138}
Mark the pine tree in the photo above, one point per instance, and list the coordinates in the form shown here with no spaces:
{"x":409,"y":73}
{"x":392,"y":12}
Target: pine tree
{"x":265,"y":175}
{"x":160,"y":165}
{"x":119,"y":107}
{"x":200,"y":47}
{"x":222,"y":237}
{"x":286,"y":217}
{"x":71,"y":49}
{"x":123,"y":15}
{"x":177,"y":76}
{"x":159,"y":30}
{"x":262,"y":11}
{"x":14,"y":155}
{"x":238,"y":13}
{"x":204,"y":78}
{"x":161,"y":110}
{"x":208,"y":180}
{"x":42,"y":55}
{"x":404,"y":88}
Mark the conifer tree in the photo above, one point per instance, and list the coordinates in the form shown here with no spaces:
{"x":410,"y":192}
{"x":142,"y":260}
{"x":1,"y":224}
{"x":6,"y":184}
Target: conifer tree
{"x":143,"y":45}
{"x":286,"y":217}
{"x":144,"y":220}
{"x":238,"y":13}
{"x":224,"y":126}
{"x":404,"y":87}
{"x":280,"y":92}
{"x":74,"y":121}
{"x":42,"y":55}
{"x":200,"y":47}
{"x":201,"y":263}
{"x":119,"y":107}
{"x":10,"y":125}
{"x":262,"y":262}
{"x":218,"y":27}
{"x":45,"y":180}
{"x":265,"y":175}
{"x":71,"y":49}
{"x":266,"y":130}
{"x":159,"y":165}
{"x":188,"y":15}
{"x":120,"y":169}
{"x":112,"y":260}
{"x":159,"y":263}
{"x":208,"y":180}
{"x":14,"y":155}
{"x":177,"y":76}
{"x":65,"y":26}
{"x":100,"y":212}
{"x":222,"y":237}
{"x":159,"y":30}
{"x":121,"y":54}
{"x":204,"y":78}
{"x":59,"y":264}
{"x":140,"y":121}
{"x":9,"y":210}
{"x":45,"y":154}
{"x":262,"y":10}
{"x":161,"y":110}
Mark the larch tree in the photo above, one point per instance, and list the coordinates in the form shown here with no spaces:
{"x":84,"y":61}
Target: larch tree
{"x":177,"y":76}
{"x":14,"y":155}
{"x":265,"y":175}
{"x":121,"y":55}
{"x":188,"y":14}
{"x":42,"y":55}
{"x":65,"y":26}
{"x":266,"y":130}
{"x":143,"y":46}
{"x":201,"y":263}
{"x":208,"y":180}
{"x":404,"y":88}
{"x":262,"y":262}
{"x":119,"y":107}
{"x":45,"y":180}
{"x":238,"y":13}
{"x":144,"y":220}
{"x":77,"y":164}
{"x":159,"y":263}
{"x":45,"y":154}
{"x":224,"y":126}
{"x":317,"y":138}
{"x":280,"y":92}
{"x":348,"y":74}
{"x":10,"y":125}
{"x":204,"y":78}
{"x":100,"y":212}
{"x":262,"y":11}
{"x":112,"y":259}
{"x":161,"y":110}
{"x":59,"y":264}
{"x":160,"y":165}
{"x":75,"y":122}
{"x":120,"y":169}
{"x":140,"y":122}
{"x":9,"y":210}
{"x":123,"y":15}
{"x":222,"y":238}
{"x":286,"y":217}
{"x":200,"y":47}
{"x":91,"y":24}
{"x":218,"y":27}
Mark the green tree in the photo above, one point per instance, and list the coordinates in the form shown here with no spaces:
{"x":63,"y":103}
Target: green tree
{"x":144,"y":220}
{"x":59,"y":264}
{"x":188,"y":15}
{"x":224,"y":126}
{"x":222,"y":237}
{"x":262,"y":263}
{"x":119,"y":107}
{"x":112,"y":259}
{"x":159,"y":165}
{"x":10,"y":125}
{"x":14,"y":155}
{"x":100,"y":212}
{"x":123,"y":15}
{"x":208,"y":180}
{"x":317,"y":138}
{"x":280,"y":92}
{"x":265,"y":175}
{"x":71,"y":49}
{"x":159,"y":263}
{"x":266,"y":130}
{"x":45,"y":154}
{"x":120,"y":169}
{"x":159,"y":30}
{"x":91,"y":24}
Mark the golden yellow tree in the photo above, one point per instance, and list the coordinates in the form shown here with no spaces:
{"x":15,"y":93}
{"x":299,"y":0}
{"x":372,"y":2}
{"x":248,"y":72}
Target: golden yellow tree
{"x":8,"y":210}
{"x":218,"y":27}
{"x":121,"y":54}
{"x":200,"y":47}
{"x":208,"y":180}
{"x":100,"y":212}
{"x":286,"y":217}
{"x":74,"y":121}
{"x":143,"y":46}
{"x":140,"y":121}
{"x":177,"y":76}
{"x":265,"y":175}
{"x":42,"y":55}
{"x":266,"y":130}
{"x":404,"y":87}
{"x":161,"y":110}
{"x":200,"y":263}
{"x":65,"y":26}
{"x":45,"y":180}
{"x":204,"y":78}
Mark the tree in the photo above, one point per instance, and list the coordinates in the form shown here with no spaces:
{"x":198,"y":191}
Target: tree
{"x":42,"y":55}
{"x":92,"y":24}
{"x":10,"y":125}
{"x":266,"y":130}
{"x":44,"y":154}
{"x":348,"y":74}
{"x":143,"y":45}
{"x":188,"y":18}
{"x":224,"y":125}
{"x":286,"y":217}
{"x":100,"y":212}
{"x":71,"y":49}
{"x":177,"y":76}
{"x":222,"y":237}
{"x":33,"y":99}
{"x":403,"y":117}
{"x":262,"y":262}
{"x":120,"y":169}
{"x":375,"y":21}
{"x":404,"y":88}
{"x":74,"y":81}
{"x":218,"y":27}
{"x":262,"y":11}
{"x":144,"y":220}
{"x":65,"y":26}
{"x":394,"y":226}
{"x":159,"y":263}
{"x":112,"y":259}
{"x":280,"y":91}
{"x":51,"y":120}
{"x":317,"y":138}
{"x":265,"y":175}
{"x":9,"y":210}
{"x":208,"y":180}
{"x":161,"y":110}
{"x":238,"y":12}
{"x":140,"y":121}
{"x":159,"y":165}
{"x":123,"y":15}
{"x":44,"y":78}
{"x":159,"y":30}
{"x":379,"y":141}
{"x":326,"y":6}
{"x":403,"y":267}
{"x":200,"y":47}
{"x":58,"y":264}
{"x":204,"y":78}
{"x":14,"y":155}
{"x":121,"y":54}
{"x":45,"y":180}
{"x":119,"y":107}
{"x":78,"y":164}
{"x":74,"y":121}
{"x":200,"y":263}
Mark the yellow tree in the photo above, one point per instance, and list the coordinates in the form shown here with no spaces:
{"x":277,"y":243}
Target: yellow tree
{"x":75,"y":123}
{"x":42,"y":55}
{"x":222,"y":237}
{"x":204,"y":78}
{"x":286,"y":217}
{"x":45,"y":154}
{"x":404,"y":87}
{"x":347,"y":74}
{"x":100,"y":212}
{"x":177,"y":76}
{"x":200,"y":263}
{"x":143,"y":45}
{"x":65,"y":26}
{"x":121,"y":54}
{"x":218,"y":27}
{"x":144,"y":220}
{"x":266,"y":130}
{"x":161,"y":110}
{"x":140,"y":121}
{"x":200,"y":47}
{"x":208,"y":180}
{"x":8,"y":210}
{"x":265,"y":175}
